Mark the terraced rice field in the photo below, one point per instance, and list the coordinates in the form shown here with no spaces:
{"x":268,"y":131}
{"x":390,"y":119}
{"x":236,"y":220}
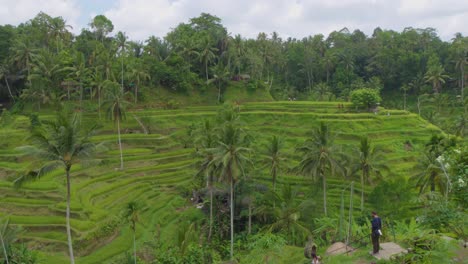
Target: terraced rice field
{"x":158,"y":169}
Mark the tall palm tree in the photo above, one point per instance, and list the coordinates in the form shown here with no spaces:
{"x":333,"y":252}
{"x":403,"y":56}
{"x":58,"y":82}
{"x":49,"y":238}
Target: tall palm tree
{"x":205,"y":139}
{"x":116,"y":106}
{"x":460,"y":64}
{"x":23,"y":55}
{"x":132,"y":210}
{"x":430,"y":173}
{"x":207,"y":55}
{"x":60,"y":144}
{"x":220,"y":78}
{"x":369,"y":157}
{"x":320,"y":156}
{"x":230,"y":157}
{"x":98,"y":82}
{"x":436,"y":76}
{"x":121,"y":40}
{"x":321,"y":90}
{"x":287,"y":214}
{"x":4,"y":72}
{"x":79,"y":72}
{"x":274,"y":157}
{"x":139,"y":73}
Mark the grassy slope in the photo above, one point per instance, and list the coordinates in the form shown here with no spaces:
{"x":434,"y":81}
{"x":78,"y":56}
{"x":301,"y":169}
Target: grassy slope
{"x":156,"y":165}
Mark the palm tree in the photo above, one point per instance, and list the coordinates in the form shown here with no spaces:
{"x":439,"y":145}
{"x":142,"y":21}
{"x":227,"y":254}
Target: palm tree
{"x":132,"y":210}
{"x":230,"y":157}
{"x":207,"y":55}
{"x":116,"y":106}
{"x":460,"y":63}
{"x":139,"y":73}
{"x":98,"y":82}
{"x":287,"y":214}
{"x":220,"y":77}
{"x":61,"y":144}
{"x":320,"y":156}
{"x":369,"y":157}
{"x":5,"y":238}
{"x":205,"y":139}
{"x":329,"y":61}
{"x":23,"y":55}
{"x":435,"y":75}
{"x":430,"y":173}
{"x":321,"y":90}
{"x":4,"y":72}
{"x":274,"y":157}
{"x":121,"y":40}
{"x":80,"y":72}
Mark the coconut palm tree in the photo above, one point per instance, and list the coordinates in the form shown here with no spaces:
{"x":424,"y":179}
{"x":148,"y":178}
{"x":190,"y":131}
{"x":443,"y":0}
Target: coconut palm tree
{"x":287,"y":214}
{"x":220,"y":78}
{"x":369,"y":157}
{"x":139,"y":74}
{"x":436,"y":76}
{"x":60,"y":144}
{"x":4,"y":72}
{"x":23,"y":55}
{"x":230,"y":156}
{"x":274,"y":157}
{"x":207,"y":55}
{"x":430,"y":173}
{"x":320,"y":156}
{"x":121,"y":40}
{"x":205,"y":139}
{"x":116,"y":105}
{"x":132,"y":210}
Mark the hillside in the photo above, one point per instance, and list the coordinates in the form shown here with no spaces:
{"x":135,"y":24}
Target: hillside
{"x":159,"y":172}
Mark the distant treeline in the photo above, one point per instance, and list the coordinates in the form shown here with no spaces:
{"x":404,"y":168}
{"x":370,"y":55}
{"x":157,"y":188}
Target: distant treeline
{"x":41,"y":60}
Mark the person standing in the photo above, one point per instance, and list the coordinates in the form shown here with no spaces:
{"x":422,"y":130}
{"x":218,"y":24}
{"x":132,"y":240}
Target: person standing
{"x":376,"y":232}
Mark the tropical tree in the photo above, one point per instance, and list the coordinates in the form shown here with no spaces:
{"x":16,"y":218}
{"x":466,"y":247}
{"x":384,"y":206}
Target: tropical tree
{"x":116,"y":105}
{"x":79,"y":72}
{"x":436,"y":76}
{"x":230,"y":156}
{"x":139,"y":73}
{"x":430,"y":173}
{"x":23,"y":55}
{"x":320,"y":156}
{"x":132,"y":210}
{"x":121,"y":40}
{"x":205,"y":140}
{"x":287,"y":214}
{"x":220,"y":78}
{"x":321,"y":90}
{"x":274,"y":157}
{"x":369,"y":157}
{"x":207,"y":55}
{"x":4,"y":72}
{"x":60,"y":144}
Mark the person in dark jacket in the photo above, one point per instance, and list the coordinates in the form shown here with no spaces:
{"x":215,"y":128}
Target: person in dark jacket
{"x":376,"y":232}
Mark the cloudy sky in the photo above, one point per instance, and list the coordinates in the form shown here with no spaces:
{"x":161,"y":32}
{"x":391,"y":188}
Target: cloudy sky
{"x":290,"y":18}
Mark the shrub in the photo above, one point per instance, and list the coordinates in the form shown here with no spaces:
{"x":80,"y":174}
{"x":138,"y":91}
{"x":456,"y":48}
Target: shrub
{"x":365,"y":98}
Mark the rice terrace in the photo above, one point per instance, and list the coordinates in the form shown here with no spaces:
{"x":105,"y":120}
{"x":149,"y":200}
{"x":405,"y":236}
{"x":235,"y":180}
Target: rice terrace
{"x":203,"y":146}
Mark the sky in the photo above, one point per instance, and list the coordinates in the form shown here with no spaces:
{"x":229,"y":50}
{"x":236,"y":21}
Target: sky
{"x":140,"y":19}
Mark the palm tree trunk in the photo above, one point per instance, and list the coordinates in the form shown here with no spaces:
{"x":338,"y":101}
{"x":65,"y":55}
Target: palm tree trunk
{"x":121,"y":77}
{"x":362,"y":190}
{"x":69,"y":237}
{"x":4,"y":248}
{"x":9,"y":89}
{"x":219,"y":93}
{"x":99,"y":101}
{"x":206,"y":70}
{"x":324,"y":193}
{"x":120,"y":144}
{"x":211,"y":213}
{"x":463,"y":88}
{"x":134,"y":247}
{"x":250,"y":216}
{"x":232,"y":216}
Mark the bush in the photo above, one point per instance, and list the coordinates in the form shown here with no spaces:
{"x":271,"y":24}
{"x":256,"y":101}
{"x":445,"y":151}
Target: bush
{"x":365,"y":98}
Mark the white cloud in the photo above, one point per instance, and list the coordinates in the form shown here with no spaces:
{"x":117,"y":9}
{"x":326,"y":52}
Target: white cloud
{"x":20,"y":11}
